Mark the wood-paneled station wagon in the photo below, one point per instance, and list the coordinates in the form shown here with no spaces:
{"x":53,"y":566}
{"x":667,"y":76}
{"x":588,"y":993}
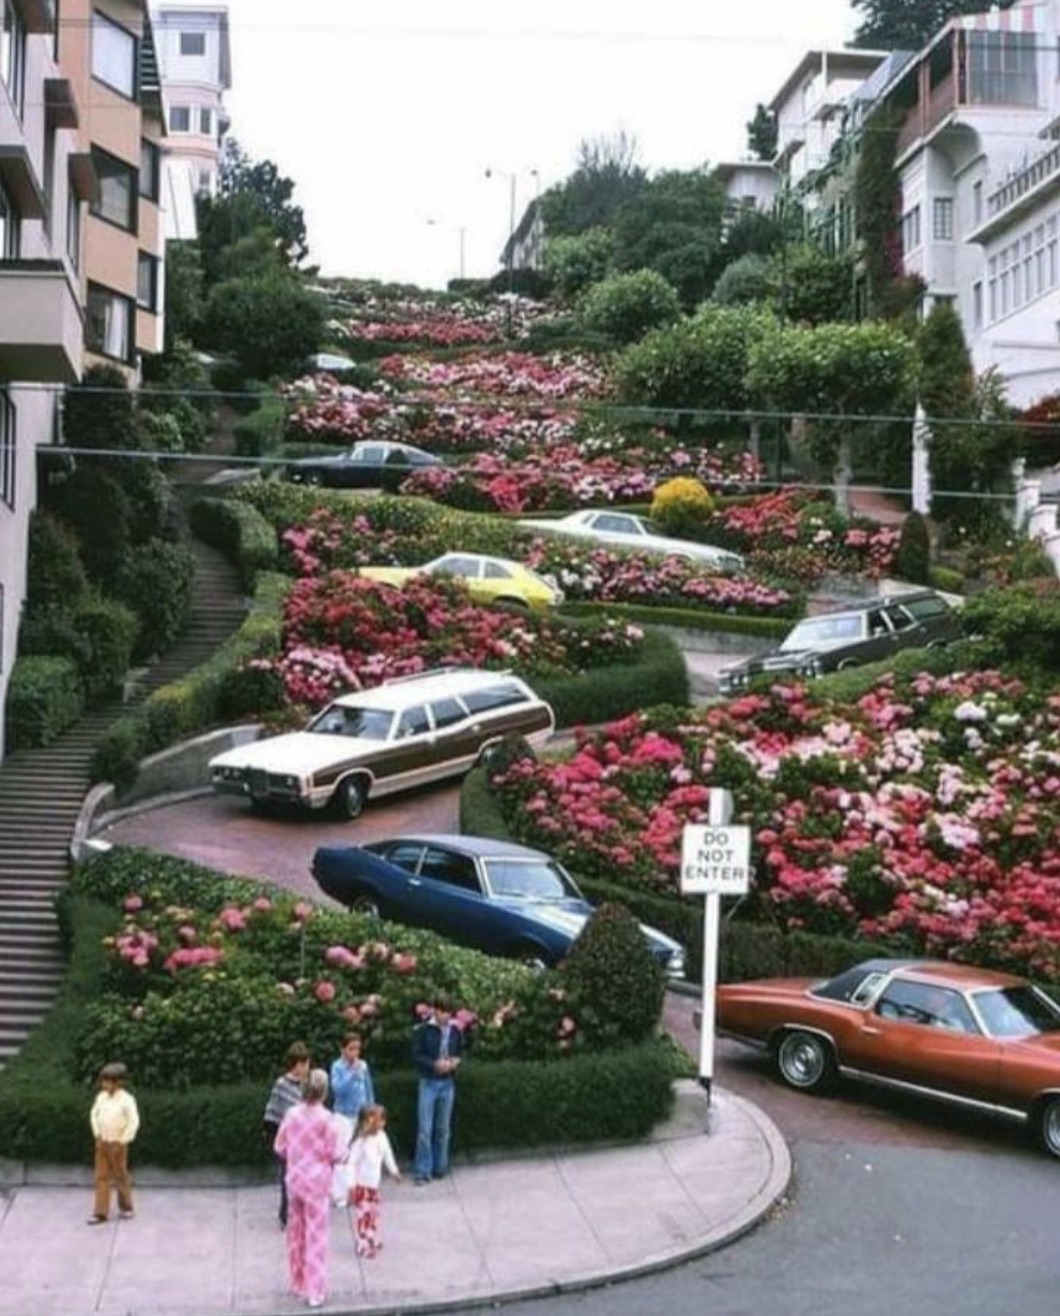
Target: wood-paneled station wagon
{"x":401,"y":734}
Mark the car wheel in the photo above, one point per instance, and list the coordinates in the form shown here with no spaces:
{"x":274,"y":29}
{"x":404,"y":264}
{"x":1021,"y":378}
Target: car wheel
{"x":846,"y":664}
{"x":366,"y":905}
{"x":351,"y":795}
{"x":530,"y":956}
{"x":805,"y":1061}
{"x":1048,"y":1126}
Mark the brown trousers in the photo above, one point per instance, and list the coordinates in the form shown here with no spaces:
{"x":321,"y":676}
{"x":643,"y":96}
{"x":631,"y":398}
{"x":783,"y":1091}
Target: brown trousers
{"x":112,"y":1168}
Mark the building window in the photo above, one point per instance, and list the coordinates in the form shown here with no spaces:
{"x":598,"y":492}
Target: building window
{"x":977,"y":202}
{"x":114,"y":55}
{"x":180,"y":119}
{"x":7,"y":449}
{"x":150,"y":169}
{"x":942,"y":219}
{"x":73,"y":228}
{"x":911,"y":230}
{"x":193,"y":43}
{"x":977,"y":306}
{"x":206,"y":121}
{"x":115,"y":199}
{"x":206,"y":182}
{"x":147,"y":281}
{"x":1002,"y":68}
{"x":109,"y":323}
{"x":10,"y":228}
{"x":12,"y":53}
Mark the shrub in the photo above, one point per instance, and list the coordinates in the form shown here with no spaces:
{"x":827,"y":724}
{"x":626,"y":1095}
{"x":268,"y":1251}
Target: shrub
{"x":117,"y":755}
{"x":745,"y":279}
{"x":239,"y":531}
{"x":269,"y":322}
{"x":45,"y":696}
{"x":611,"y":969}
{"x":55,"y":577}
{"x":156,"y":583}
{"x":98,"y":509}
{"x":99,"y":412}
{"x":110,"y":629}
{"x":913,"y":560}
{"x":681,"y":505}
{"x":626,"y":306}
{"x":1017,"y":625}
{"x":261,"y":431}
{"x":576,"y":262}
{"x":946,"y":579}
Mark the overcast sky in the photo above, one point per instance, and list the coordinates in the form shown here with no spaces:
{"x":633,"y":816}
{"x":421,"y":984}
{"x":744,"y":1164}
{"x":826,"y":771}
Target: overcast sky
{"x":387,"y":116}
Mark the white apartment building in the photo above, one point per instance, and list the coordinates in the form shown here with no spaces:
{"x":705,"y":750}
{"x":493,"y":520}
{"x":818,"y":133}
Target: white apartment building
{"x":45,"y":177}
{"x":749,"y":184}
{"x":195,"y":56}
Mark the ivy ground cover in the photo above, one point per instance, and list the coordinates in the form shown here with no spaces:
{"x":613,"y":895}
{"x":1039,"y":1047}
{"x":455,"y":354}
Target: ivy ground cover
{"x":928,"y":813}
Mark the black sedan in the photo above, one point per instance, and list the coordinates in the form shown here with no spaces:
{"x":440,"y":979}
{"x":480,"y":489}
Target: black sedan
{"x":494,"y":896}
{"x":380,"y":464}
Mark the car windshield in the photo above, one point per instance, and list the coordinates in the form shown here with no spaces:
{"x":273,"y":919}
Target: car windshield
{"x":1017,"y":1012}
{"x":366,"y":723}
{"x":816,"y":632}
{"x":529,"y":879}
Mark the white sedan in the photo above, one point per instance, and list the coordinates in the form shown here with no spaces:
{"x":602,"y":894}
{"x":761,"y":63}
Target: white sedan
{"x":624,"y":530}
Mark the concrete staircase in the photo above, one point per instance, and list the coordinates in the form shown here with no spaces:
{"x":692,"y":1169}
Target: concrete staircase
{"x":41,"y":792}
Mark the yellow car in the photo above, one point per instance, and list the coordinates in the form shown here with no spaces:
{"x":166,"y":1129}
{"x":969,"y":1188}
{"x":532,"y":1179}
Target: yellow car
{"x":489,"y":580}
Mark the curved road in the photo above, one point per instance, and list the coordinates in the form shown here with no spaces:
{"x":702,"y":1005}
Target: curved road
{"x":898,"y":1205}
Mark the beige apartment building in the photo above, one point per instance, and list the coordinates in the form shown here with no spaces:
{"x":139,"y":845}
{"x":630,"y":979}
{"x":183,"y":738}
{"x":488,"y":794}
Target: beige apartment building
{"x":81,"y":245}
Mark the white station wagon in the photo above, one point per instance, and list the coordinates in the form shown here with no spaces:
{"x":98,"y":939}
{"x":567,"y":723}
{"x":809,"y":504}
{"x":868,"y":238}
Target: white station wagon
{"x":624,"y":530}
{"x":399,"y":735}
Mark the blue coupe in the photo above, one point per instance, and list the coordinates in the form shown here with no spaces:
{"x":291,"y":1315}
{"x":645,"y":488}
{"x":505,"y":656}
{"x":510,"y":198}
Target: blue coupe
{"x":494,"y":896}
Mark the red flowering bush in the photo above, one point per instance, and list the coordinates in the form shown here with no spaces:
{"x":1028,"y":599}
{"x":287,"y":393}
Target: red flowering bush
{"x":928,"y":813}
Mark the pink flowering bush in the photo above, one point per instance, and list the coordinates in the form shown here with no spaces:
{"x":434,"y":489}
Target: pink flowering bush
{"x":504,"y":374}
{"x":928,"y":813}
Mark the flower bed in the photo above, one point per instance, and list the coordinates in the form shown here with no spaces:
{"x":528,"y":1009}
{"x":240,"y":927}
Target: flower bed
{"x":927,"y":813}
{"x":505,"y":374}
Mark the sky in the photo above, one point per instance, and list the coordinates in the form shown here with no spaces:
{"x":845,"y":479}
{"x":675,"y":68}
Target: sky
{"x":388,"y":117}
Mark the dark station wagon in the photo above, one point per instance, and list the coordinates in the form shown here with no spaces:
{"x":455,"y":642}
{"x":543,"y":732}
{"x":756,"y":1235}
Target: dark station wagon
{"x":399,"y":735}
{"x":372,"y":464}
{"x":869,"y":633}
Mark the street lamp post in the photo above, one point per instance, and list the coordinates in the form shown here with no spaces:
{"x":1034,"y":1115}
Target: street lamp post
{"x":509,"y":250}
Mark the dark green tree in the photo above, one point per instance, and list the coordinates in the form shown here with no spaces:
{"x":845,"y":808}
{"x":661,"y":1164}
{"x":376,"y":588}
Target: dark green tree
{"x":908,"y":24}
{"x":675,"y":228}
{"x":184,"y":292}
{"x":811,"y":287}
{"x":270,"y":323}
{"x":100,"y":412}
{"x":605,"y":177}
{"x":762,"y":133}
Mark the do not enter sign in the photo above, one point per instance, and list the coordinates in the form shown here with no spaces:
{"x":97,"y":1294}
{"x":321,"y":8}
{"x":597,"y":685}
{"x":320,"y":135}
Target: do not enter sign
{"x":715,"y":860}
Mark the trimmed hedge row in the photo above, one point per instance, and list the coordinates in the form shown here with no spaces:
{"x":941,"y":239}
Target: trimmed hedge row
{"x":690,"y":619}
{"x":240,"y":532}
{"x":44,"y":696}
{"x":261,"y":431}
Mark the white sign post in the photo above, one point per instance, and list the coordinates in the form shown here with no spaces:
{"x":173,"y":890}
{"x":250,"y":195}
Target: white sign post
{"x":715,"y":862}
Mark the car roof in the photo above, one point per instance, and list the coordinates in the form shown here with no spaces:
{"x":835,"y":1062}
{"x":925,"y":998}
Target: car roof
{"x":479,"y":847}
{"x":963,"y":976}
{"x":877,"y":601}
{"x":434,"y":684}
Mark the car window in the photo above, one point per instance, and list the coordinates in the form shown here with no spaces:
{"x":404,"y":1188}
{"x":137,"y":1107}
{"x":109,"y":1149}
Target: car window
{"x":452,"y":869}
{"x":420,"y":458}
{"x":533,"y":879}
{"x":446,"y":712}
{"x":619,"y":525}
{"x":926,"y":605}
{"x":899,"y":618}
{"x":496,"y":571}
{"x":370,"y":453}
{"x":455,"y":564}
{"x":878,"y":623}
{"x":494,"y":696}
{"x":815,"y":631}
{"x":405,"y":854}
{"x":857,"y":984}
{"x":1017,"y":1012}
{"x":367,"y":723}
{"x":397,"y":457}
{"x":926,"y":1004}
{"x":413,"y":722}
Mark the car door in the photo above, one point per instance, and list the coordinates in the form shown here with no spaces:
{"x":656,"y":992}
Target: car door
{"x":450,"y":897}
{"x":615,"y":528}
{"x":464,"y":567}
{"x":879,"y":640}
{"x":908,"y":632}
{"x":925,"y":1035}
{"x":455,"y":739}
{"x":362,"y":469}
{"x":402,"y":894}
{"x":408,"y":759}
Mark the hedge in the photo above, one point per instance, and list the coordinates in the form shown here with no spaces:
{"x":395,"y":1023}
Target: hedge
{"x":261,"y":431}
{"x":45,"y":696}
{"x":240,"y":532}
{"x":690,"y":619}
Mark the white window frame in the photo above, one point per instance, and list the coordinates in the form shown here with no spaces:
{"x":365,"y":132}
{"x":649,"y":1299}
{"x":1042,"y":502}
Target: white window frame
{"x":193,"y":38}
{"x":145,"y":261}
{"x":205,"y":119}
{"x":150,"y":181}
{"x":73,"y":227}
{"x":115,"y":55}
{"x":942,"y":219}
{"x":110,"y":323}
{"x":180,"y":118}
{"x":8,"y":448}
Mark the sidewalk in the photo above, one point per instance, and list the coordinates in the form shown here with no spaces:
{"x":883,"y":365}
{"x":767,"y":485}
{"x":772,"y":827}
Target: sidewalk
{"x":493,"y":1230}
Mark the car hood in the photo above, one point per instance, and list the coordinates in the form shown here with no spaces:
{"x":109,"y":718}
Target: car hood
{"x":298,"y":753}
{"x":776,"y":660}
{"x":388,"y":575}
{"x":774,"y":988}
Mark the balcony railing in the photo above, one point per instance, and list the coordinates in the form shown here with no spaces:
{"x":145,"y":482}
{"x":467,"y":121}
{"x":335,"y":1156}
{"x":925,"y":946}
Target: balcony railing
{"x":926,"y":116}
{"x":1026,"y":180}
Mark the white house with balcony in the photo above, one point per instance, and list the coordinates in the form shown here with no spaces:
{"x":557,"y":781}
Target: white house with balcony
{"x":978,"y":157}
{"x":194,"y":52}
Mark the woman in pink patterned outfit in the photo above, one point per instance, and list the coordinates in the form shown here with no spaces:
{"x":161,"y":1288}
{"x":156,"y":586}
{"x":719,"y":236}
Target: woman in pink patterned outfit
{"x":311,"y":1146}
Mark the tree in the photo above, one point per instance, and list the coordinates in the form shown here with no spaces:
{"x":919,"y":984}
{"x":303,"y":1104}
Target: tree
{"x":812,"y":287}
{"x":762,"y":133}
{"x":271,"y":323}
{"x":605,"y":177}
{"x":908,"y":24}
{"x":674,"y":226}
{"x":626,"y":306}
{"x":574,"y":262}
{"x":184,"y":292}
{"x":745,"y":280}
{"x":253,"y":199}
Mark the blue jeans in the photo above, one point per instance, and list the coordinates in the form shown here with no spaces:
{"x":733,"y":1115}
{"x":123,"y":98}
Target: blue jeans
{"x":434,"y":1118}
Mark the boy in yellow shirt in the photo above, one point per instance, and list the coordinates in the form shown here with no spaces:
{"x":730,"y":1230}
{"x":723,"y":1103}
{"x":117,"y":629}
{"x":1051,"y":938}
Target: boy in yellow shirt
{"x":115,"y":1120}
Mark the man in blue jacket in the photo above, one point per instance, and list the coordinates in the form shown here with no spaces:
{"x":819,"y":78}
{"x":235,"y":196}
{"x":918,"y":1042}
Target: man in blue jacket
{"x":437,"y":1048}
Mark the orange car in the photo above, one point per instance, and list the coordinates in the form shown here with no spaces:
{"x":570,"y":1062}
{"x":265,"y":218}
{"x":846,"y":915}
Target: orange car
{"x":987,"y":1041}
